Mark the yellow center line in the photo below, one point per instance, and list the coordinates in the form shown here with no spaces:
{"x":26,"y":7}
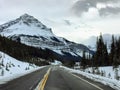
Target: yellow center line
{"x":44,"y":80}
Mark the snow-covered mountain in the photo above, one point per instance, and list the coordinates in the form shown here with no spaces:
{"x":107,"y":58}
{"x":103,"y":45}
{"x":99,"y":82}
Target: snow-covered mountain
{"x":26,"y":25}
{"x":28,"y":30}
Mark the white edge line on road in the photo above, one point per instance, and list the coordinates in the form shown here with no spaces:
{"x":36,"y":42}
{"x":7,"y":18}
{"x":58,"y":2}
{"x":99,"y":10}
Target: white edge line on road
{"x":88,"y":82}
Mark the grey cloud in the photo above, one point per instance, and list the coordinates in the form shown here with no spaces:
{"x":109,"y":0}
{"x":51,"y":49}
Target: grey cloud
{"x":39,"y":8}
{"x":69,"y":23}
{"x":83,"y":6}
{"x":109,"y":10}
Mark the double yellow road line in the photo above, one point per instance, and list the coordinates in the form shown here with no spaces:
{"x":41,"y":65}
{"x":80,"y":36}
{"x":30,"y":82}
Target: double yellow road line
{"x":44,"y":80}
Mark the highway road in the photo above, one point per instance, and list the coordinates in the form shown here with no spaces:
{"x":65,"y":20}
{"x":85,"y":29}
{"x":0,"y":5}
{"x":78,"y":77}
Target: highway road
{"x":27,"y":82}
{"x":60,"y":79}
{"x":53,"y":78}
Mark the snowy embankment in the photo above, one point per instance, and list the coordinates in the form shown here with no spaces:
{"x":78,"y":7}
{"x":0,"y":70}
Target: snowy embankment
{"x":108,"y":71}
{"x":104,"y":80}
{"x":11,"y":68}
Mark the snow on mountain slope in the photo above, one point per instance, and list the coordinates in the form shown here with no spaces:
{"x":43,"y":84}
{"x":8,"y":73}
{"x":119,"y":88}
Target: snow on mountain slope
{"x":28,"y":30}
{"x":11,"y":68}
{"x":27,"y":25}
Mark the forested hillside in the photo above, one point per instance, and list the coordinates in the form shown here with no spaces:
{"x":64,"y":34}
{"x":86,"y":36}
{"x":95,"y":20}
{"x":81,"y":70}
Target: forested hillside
{"x":34,"y":55}
{"x":23,"y":52}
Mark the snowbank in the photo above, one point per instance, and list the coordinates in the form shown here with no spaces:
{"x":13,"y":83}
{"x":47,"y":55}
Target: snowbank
{"x":104,"y":80}
{"x":11,"y":68}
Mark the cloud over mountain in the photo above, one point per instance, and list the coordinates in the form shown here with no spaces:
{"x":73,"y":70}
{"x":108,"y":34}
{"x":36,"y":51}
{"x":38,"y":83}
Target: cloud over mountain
{"x":104,"y":7}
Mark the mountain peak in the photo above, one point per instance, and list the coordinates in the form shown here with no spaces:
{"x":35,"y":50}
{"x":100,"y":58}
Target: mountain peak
{"x":27,"y":19}
{"x":25,"y":24}
{"x":25,"y":15}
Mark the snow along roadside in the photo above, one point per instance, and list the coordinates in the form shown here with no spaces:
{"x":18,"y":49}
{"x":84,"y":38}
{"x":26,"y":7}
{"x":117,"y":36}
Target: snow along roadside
{"x":11,"y":68}
{"x":14,"y":76}
{"x":106,"y":81}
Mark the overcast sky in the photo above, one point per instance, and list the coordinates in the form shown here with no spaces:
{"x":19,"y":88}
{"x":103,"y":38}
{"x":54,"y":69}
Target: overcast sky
{"x":75,"y":20}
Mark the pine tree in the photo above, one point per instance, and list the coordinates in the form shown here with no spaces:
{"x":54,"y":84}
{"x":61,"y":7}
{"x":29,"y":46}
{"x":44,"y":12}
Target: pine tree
{"x":83,"y":61}
{"x":116,"y":57}
{"x":2,"y":72}
{"x":112,"y":51}
{"x":100,"y":57}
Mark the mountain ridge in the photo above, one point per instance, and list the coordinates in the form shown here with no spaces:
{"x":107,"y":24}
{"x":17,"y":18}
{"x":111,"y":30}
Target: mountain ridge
{"x":28,"y":30}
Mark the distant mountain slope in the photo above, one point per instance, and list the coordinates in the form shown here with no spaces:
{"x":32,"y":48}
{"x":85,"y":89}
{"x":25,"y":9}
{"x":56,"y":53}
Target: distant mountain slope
{"x":28,"y":30}
{"x":91,"y":42}
{"x":25,"y":53}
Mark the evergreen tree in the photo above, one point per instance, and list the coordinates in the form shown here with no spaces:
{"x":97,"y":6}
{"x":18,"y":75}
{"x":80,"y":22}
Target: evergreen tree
{"x":2,"y":72}
{"x":100,"y":58}
{"x":116,"y":56}
{"x":112,"y":51}
{"x":83,"y":61}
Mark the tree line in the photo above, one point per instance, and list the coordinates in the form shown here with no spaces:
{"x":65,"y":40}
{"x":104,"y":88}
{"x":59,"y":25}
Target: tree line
{"x":102,"y":57}
{"x":23,"y":52}
{"x":34,"y":55}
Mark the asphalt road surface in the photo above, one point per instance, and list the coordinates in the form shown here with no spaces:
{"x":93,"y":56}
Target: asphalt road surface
{"x":58,"y":79}
{"x":27,"y":82}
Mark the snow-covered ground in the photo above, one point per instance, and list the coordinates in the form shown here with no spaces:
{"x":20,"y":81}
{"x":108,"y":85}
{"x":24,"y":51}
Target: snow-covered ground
{"x":108,"y":77}
{"x":108,"y":72}
{"x":11,"y":68}
{"x":56,"y":62}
